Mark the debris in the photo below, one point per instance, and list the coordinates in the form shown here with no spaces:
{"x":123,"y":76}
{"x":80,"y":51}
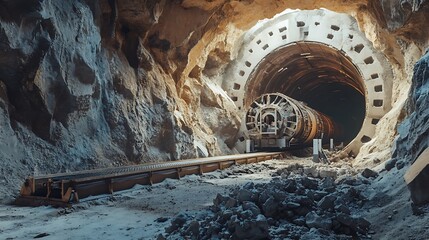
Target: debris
{"x":161,"y":219}
{"x":42,"y":235}
{"x":318,"y":208}
{"x":390,"y":164}
{"x":368,"y":173}
{"x":316,"y":221}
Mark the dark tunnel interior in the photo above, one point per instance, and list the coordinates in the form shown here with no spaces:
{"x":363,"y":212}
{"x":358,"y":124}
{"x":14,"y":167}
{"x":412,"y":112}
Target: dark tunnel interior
{"x":320,"y":76}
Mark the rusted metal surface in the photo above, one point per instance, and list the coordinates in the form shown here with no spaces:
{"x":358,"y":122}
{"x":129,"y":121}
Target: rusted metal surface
{"x":276,"y":116}
{"x":64,"y":189}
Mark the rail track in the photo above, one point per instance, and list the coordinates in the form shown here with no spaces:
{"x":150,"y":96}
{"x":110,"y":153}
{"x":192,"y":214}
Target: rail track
{"x":64,"y":189}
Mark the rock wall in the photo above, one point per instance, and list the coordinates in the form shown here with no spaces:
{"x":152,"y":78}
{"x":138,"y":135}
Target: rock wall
{"x":411,"y":138}
{"x":413,"y":131}
{"x":87,"y":84}
{"x":396,"y":34}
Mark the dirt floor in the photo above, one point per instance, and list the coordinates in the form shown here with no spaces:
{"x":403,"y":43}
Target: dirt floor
{"x":145,"y":211}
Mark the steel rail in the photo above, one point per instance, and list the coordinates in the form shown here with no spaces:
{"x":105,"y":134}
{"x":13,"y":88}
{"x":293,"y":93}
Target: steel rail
{"x":64,"y":189}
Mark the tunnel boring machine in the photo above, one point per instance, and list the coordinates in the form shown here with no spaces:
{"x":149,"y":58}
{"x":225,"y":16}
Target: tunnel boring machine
{"x":275,"y":120}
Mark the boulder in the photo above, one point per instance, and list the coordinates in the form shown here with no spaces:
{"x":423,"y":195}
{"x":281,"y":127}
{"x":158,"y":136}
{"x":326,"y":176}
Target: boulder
{"x":400,"y":164}
{"x":218,"y":200}
{"x":270,"y":207}
{"x":304,"y":201}
{"x":317,"y":195}
{"x":342,"y":208}
{"x":264,"y":195}
{"x":368,"y":173}
{"x":193,"y":228}
{"x":251,"y":229}
{"x":230,"y":202}
{"x":244,"y":195}
{"x":357,"y":224}
{"x":291,"y":187}
{"x":390,"y":164}
{"x":327,"y":203}
{"x":225,"y":216}
{"x":252,"y":207}
{"x":176,"y":223}
{"x":313,"y":220}
{"x":309,"y":183}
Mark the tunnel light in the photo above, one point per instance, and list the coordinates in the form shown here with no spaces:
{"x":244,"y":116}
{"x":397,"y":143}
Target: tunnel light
{"x":281,"y":69}
{"x":305,"y":54}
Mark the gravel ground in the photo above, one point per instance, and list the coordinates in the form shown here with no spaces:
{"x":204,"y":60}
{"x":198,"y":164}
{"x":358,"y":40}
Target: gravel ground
{"x":326,"y":202}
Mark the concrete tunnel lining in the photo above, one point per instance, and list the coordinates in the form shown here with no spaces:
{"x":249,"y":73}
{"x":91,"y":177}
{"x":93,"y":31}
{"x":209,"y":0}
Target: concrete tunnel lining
{"x":317,"y":75}
{"x":353,"y":66}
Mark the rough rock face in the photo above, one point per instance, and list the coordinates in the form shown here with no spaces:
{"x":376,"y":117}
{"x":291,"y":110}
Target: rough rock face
{"x":400,"y":16}
{"x":87,"y":84}
{"x":396,"y":36}
{"x":413,"y":131}
{"x":90,"y":84}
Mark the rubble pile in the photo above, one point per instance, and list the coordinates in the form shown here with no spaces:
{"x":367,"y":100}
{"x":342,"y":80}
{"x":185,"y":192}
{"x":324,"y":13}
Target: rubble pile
{"x":294,"y":204}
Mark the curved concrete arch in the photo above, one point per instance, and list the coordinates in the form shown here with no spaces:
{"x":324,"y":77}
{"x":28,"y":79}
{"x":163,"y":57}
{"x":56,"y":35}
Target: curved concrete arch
{"x":336,"y":30}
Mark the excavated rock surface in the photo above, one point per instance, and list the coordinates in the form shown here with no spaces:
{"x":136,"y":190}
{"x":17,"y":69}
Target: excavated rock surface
{"x":296,"y":204}
{"x":86,"y":84}
{"x":413,"y":131}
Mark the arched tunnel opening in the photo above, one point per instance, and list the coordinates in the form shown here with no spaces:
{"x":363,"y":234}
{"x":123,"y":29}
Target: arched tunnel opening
{"x":323,"y":78}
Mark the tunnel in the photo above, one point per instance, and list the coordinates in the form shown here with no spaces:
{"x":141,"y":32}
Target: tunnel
{"x":319,"y":76}
{"x":321,"y":59}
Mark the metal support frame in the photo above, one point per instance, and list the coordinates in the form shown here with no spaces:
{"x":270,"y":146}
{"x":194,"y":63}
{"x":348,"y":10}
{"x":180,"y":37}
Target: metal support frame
{"x":67,"y":188}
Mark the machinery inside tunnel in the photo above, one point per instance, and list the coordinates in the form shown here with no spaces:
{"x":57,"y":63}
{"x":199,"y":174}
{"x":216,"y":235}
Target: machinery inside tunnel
{"x":319,"y":58}
{"x":319,"y":76}
{"x":275,"y":120}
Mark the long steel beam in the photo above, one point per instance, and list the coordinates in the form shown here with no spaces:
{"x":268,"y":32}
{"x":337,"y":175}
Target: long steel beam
{"x":64,"y":189}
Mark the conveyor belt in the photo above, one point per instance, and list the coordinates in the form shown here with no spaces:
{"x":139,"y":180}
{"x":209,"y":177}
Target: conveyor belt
{"x":63,"y":189}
